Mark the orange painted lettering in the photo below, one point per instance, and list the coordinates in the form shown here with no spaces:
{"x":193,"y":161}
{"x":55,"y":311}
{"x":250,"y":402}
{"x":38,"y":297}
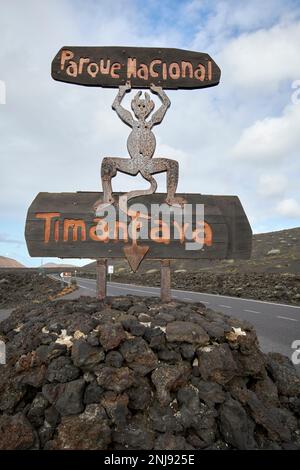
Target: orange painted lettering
{"x":184,"y":67}
{"x":75,"y":225}
{"x":151,"y":68}
{"x":131,"y":68}
{"x":47,"y":216}
{"x":65,"y":55}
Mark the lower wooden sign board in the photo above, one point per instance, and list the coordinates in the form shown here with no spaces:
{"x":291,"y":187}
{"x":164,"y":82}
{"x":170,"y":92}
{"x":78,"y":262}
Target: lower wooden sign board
{"x":64,"y":225}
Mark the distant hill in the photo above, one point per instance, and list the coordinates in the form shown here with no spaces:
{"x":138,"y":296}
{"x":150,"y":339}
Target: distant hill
{"x":10,"y":263}
{"x":57,"y":265}
{"x":277,"y":252}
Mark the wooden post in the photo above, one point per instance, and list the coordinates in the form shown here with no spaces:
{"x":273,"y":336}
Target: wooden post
{"x":101,"y":278}
{"x":165,"y":281}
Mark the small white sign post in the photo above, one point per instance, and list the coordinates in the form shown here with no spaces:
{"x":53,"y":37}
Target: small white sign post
{"x":2,"y":352}
{"x":62,"y":279}
{"x":66,"y":277}
{"x":110,"y":270}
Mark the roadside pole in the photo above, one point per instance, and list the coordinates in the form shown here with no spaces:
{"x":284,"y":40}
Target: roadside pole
{"x":165,"y":281}
{"x":101,"y":278}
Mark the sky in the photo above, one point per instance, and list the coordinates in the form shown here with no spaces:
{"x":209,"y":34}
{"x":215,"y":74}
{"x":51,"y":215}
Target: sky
{"x":239,"y":138}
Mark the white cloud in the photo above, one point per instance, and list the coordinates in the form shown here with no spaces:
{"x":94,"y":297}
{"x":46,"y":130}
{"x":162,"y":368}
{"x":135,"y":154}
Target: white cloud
{"x":289,"y":208}
{"x":271,"y":138}
{"x":272,"y":184}
{"x":263,"y":58}
{"x":5,"y":238}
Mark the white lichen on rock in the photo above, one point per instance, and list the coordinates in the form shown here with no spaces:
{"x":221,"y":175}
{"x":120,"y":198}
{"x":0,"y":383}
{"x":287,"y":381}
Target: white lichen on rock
{"x":19,"y":328}
{"x":235,"y":333}
{"x":65,"y":339}
{"x":207,"y":349}
{"x":79,"y":334}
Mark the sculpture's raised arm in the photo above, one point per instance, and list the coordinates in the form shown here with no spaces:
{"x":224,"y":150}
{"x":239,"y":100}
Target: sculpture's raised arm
{"x":160,"y":113}
{"x":123,"y":113}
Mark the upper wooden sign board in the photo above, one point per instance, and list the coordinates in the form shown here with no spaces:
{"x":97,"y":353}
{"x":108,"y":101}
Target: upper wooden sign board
{"x":114,"y":66}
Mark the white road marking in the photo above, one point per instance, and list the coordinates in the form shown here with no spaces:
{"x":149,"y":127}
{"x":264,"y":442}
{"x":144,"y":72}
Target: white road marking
{"x":133,"y":290}
{"x":204,"y":302}
{"x":88,"y":288}
{"x":225,"y":306}
{"x":286,"y":318}
{"x":251,"y":311}
{"x":187,"y":298}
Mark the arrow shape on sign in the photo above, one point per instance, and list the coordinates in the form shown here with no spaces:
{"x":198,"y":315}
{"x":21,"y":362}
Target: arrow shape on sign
{"x":135,"y":254}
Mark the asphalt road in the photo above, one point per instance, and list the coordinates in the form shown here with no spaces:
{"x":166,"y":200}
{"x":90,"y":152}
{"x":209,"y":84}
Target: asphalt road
{"x":5,"y":312}
{"x":277,"y":325}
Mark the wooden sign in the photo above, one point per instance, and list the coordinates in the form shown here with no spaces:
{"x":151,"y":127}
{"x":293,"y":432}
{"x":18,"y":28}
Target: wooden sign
{"x":114,"y":66}
{"x":64,"y":225}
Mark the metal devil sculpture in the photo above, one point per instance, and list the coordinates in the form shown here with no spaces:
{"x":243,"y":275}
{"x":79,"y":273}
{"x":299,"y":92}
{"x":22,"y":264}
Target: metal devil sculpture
{"x":141,"y":145}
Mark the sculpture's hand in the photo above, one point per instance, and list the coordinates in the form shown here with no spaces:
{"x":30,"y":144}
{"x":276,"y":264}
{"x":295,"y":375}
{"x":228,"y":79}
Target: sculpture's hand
{"x":125,"y":88}
{"x":155,"y":89}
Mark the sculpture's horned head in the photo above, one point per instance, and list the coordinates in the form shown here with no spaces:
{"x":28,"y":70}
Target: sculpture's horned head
{"x":142,"y":107}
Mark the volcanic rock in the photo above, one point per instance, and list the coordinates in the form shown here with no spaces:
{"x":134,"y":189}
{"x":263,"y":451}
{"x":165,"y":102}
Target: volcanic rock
{"x":16,"y":433}
{"x":236,"y":427}
{"x":138,"y":355}
{"x":139,"y":394}
{"x":37,"y":410}
{"x":284,"y":374}
{"x":116,"y":379}
{"x":164,"y":418}
{"x":93,"y":393}
{"x":136,"y":435}
{"x":216,"y":363}
{"x":86,"y":431}
{"x":111,"y":335}
{"x":167,"y":378}
{"x":86,"y":356}
{"x":62,"y":369}
{"x":209,"y":392}
{"x":114,"y":359}
{"x":116,"y":407}
{"x":187,"y":332}
{"x":67,"y":398}
{"x":169,"y":441}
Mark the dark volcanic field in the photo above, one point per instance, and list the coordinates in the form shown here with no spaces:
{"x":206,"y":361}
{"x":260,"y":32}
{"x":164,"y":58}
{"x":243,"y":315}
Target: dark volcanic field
{"x":17,"y":289}
{"x":273,"y":287}
{"x":133,"y":373}
{"x":272,"y":273}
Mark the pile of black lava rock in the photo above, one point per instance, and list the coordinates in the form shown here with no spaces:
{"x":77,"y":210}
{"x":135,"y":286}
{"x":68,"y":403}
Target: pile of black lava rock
{"x":132,"y":373}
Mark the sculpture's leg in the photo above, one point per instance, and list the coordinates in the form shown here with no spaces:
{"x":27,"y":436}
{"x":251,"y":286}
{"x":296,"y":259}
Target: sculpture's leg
{"x":108,"y":171}
{"x":109,"y":168}
{"x":159,"y":165}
